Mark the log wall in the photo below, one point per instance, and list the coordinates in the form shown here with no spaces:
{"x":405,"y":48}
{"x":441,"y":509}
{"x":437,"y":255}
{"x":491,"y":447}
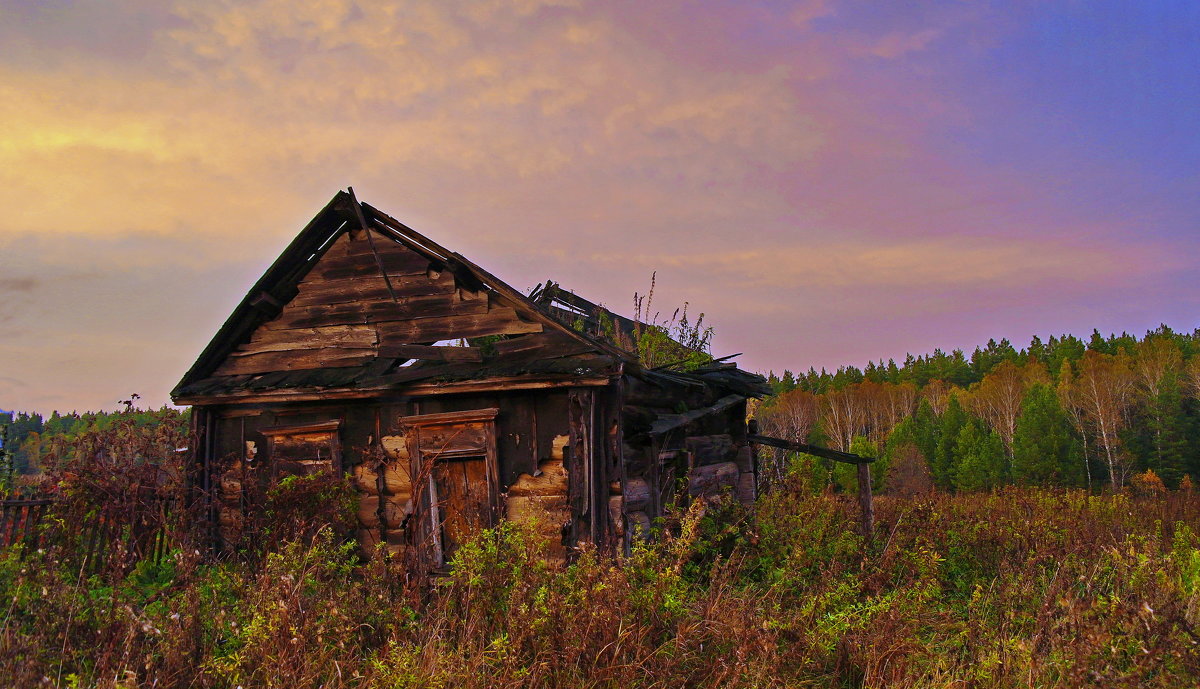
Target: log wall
{"x":532,"y":434}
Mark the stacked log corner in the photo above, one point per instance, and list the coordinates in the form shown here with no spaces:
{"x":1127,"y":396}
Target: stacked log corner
{"x":385,"y":498}
{"x":541,"y":501}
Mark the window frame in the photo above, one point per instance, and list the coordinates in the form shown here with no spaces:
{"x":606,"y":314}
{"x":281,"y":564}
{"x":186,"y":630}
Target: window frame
{"x":332,"y":428}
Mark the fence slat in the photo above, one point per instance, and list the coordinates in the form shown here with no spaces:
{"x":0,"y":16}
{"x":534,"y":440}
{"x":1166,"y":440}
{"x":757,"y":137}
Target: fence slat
{"x":19,"y":519}
{"x":140,"y":532}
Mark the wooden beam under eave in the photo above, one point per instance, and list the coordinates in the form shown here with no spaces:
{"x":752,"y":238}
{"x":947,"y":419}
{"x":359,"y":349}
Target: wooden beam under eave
{"x":423,"y":389}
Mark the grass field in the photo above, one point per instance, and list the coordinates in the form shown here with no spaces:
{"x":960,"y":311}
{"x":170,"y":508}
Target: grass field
{"x":1019,"y":588}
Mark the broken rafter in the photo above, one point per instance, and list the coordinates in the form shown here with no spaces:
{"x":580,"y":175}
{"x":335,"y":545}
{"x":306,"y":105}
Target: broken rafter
{"x":670,"y":422}
{"x":362,"y":220}
{"x":664,"y":367}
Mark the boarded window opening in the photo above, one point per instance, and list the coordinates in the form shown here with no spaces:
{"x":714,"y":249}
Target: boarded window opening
{"x":303,"y":450}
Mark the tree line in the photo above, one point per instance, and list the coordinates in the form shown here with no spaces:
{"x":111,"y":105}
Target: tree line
{"x":1059,"y":413}
{"x":33,"y":437}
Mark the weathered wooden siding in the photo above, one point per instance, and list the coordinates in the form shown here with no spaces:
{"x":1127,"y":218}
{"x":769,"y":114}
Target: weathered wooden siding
{"x":343,"y":314}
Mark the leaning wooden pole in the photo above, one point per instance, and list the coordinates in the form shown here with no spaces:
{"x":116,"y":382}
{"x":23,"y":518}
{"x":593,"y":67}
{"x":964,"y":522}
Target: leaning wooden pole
{"x":865,"y":500}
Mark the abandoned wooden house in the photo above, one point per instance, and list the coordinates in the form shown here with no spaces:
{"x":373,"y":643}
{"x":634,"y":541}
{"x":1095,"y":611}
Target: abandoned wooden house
{"x":451,"y":399}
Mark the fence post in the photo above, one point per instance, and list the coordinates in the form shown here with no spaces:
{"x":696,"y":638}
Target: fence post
{"x":865,"y":501}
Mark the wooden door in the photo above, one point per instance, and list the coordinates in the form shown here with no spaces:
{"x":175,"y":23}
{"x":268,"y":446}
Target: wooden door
{"x":453,"y":457}
{"x":464,"y":503}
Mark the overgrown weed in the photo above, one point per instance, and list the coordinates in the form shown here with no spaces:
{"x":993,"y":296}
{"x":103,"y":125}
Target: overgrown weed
{"x":1021,"y":587}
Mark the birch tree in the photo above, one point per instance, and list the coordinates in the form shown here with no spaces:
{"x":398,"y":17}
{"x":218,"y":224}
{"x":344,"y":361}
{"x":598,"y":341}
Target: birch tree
{"x":1104,"y":391}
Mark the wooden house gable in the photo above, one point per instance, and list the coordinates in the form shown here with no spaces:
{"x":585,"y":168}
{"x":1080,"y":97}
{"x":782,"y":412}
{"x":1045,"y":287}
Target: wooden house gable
{"x":346,"y":313}
{"x":361,"y":301}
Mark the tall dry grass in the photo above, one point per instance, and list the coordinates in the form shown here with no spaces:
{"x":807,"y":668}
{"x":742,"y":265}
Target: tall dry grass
{"x":1019,"y":588}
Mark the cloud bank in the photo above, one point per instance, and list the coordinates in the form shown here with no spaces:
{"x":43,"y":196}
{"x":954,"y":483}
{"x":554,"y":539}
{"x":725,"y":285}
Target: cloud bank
{"x":822,"y":178}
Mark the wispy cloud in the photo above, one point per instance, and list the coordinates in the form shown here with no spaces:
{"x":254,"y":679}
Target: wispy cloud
{"x":17,"y":285}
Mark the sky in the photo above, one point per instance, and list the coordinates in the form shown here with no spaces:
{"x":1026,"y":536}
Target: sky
{"x":829,"y":182}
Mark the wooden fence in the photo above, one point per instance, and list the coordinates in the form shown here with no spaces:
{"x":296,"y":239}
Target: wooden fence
{"x":137,"y":532}
{"x":19,"y":520}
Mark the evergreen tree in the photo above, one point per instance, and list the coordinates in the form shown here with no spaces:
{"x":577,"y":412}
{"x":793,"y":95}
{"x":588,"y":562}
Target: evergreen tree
{"x":979,"y":457}
{"x":983,"y":360}
{"x":893,"y":372}
{"x":925,"y":431}
{"x":1046,"y":450}
{"x":1167,"y":426}
{"x":949,"y":426}
{"x":1158,"y":437}
{"x":1068,"y":348}
{"x":1038,"y":351}
{"x":774,"y":382}
{"x":788,"y":383}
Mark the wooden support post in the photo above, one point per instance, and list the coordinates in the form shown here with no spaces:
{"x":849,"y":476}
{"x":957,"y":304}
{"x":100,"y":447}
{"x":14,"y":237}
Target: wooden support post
{"x":579,"y":462}
{"x":751,"y":430}
{"x":206,"y":480}
{"x":864,"y":500}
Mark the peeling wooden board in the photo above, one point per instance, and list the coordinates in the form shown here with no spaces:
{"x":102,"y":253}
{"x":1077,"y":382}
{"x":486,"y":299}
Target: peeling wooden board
{"x":294,"y":360}
{"x":325,"y":336}
{"x":370,"y":288}
{"x":398,"y":259}
{"x":551,"y":342}
{"x":497,"y":321}
{"x":362,"y":313}
{"x":305,"y":351}
{"x":253,"y":348}
{"x":359,"y":259}
{"x":406,"y":351}
{"x":456,"y":438}
{"x":363,"y":246}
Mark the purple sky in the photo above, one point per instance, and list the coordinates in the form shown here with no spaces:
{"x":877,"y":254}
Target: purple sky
{"x":829,"y":182}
